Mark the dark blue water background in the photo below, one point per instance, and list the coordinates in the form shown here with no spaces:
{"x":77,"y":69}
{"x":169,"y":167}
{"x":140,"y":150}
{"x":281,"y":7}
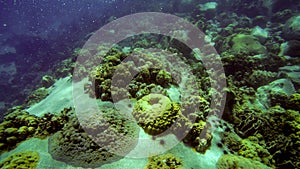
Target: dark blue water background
{"x":37,"y":34}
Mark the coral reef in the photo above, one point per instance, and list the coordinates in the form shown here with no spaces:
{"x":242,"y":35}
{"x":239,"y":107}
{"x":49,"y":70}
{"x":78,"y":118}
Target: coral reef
{"x":199,"y":136}
{"x":292,"y":48}
{"x":259,"y":44}
{"x":246,"y":44}
{"x":100,"y":138}
{"x":148,"y":81}
{"x":19,"y":125}
{"x":274,"y":93}
{"x":112,"y":129}
{"x":283,"y":135}
{"x":165,"y":161}
{"x":261,"y":77}
{"x":253,"y":147}
{"x":49,"y":123}
{"x":155,"y":113}
{"x":293,"y":102}
{"x":195,"y":110}
{"x":16,"y":127}
{"x":21,"y":160}
{"x":36,"y":96}
{"x":291,"y":30}
{"x":73,"y":146}
{"x":292,"y":73}
{"x":229,"y":161}
{"x":266,"y":131}
{"x":242,"y":67}
{"x":145,"y":78}
{"x":47,"y":81}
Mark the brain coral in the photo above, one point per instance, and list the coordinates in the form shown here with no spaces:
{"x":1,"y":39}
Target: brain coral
{"x":155,"y":113}
{"x":104,"y":136}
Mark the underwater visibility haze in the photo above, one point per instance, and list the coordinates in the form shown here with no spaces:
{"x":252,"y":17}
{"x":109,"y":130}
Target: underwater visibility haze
{"x":134,"y":84}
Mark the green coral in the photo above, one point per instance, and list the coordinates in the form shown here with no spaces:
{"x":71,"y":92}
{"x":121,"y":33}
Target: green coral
{"x":21,"y":160}
{"x":165,"y":161}
{"x":47,"y":81}
{"x":36,"y":96}
{"x":229,"y":161}
{"x":145,"y":72}
{"x":246,"y":44}
{"x":291,"y":29}
{"x":278,"y":127}
{"x":199,"y":136}
{"x":240,"y":67}
{"x":252,"y":150}
{"x":261,"y":77}
{"x":100,"y":137}
{"x":18,"y":125}
{"x":155,"y":113}
{"x":253,"y":147}
{"x":50,"y":123}
{"x":294,"y":102}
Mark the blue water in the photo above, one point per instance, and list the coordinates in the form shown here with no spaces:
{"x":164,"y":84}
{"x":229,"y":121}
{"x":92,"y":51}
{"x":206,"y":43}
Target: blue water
{"x":38,"y":34}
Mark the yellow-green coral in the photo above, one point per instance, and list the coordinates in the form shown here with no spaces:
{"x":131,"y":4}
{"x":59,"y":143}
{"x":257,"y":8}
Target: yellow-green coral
{"x":101,"y":136}
{"x":248,"y":44}
{"x":36,"y":96}
{"x":15,"y":128}
{"x":252,"y":147}
{"x":155,"y":113}
{"x":294,"y":101}
{"x":21,"y":160}
{"x":229,"y":161}
{"x":19,"y":125}
{"x":145,"y":70}
{"x":165,"y":161}
{"x":254,"y":151}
